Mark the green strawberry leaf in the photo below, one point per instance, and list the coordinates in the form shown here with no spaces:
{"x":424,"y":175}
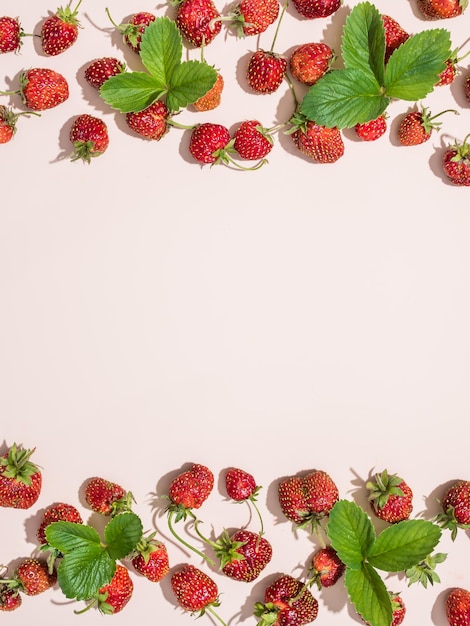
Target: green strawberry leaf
{"x":344,"y":98}
{"x":368,"y":593}
{"x":84,"y":570}
{"x":404,"y":545}
{"x":413,"y":69}
{"x":190,"y":81}
{"x":363,"y":41}
{"x":122,"y":534}
{"x":161,"y":49}
{"x":68,"y":536}
{"x":132,"y":91}
{"x":350,"y":532}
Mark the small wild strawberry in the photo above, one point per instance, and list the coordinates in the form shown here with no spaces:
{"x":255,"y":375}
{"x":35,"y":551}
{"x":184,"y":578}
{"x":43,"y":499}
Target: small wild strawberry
{"x":133,"y":30}
{"x":252,"y":141}
{"x":266,"y":71}
{"x":61,"y":511}
{"x":395,"y":35}
{"x":150,"y":559}
{"x":43,"y":88}
{"x":89,"y":136}
{"x":456,"y":163}
{"x":310,"y":61}
{"x":212,"y":98}
{"x":115,"y":595}
{"x":240,"y":485}
{"x":253,"y":17}
{"x":313,"y":9}
{"x":320,"y":143}
{"x":60,"y":30}
{"x":327,"y":568}
{"x":441,"y":9}
{"x":194,"y":589}
{"x":106,"y":497}
{"x":151,"y":122}
{"x":207,"y":144}
{"x":198,"y":21}
{"x":451,"y":70}
{"x":191,"y":488}
{"x":287,"y":602}
{"x":458,"y":607}
{"x":8,"y":119}
{"x":467,"y":88}
{"x":417,"y":127}
{"x":372,"y":130}
{"x":390,"y":497}
{"x":11,"y":34}
{"x":20,"y":478}
{"x":455,"y":504}
{"x":32,"y":577}
{"x":10,"y":599}
{"x":98,"y":71}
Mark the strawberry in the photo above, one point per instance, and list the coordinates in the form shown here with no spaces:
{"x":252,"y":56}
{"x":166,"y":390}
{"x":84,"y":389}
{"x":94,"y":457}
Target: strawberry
{"x":327,"y":568}
{"x":60,"y":30}
{"x":455,"y":504}
{"x":372,"y":130}
{"x":312,"y":9}
{"x":198,"y":21}
{"x":322,"y":144}
{"x":266,"y":71}
{"x":441,"y":9}
{"x":390,"y":497}
{"x":395,"y":35}
{"x":287,"y":602}
{"x":310,"y":61}
{"x":10,"y":599}
{"x":417,"y":126}
{"x":133,"y":30}
{"x":458,"y":607}
{"x":212,"y":98}
{"x":398,"y":609}
{"x":114,"y":596}
{"x":240,"y":485}
{"x":56,"y":513}
{"x":467,"y":88}
{"x":207,"y":145}
{"x":456,"y":163}
{"x":89,"y":136}
{"x":194,"y":590}
{"x":252,"y":141}
{"x":191,"y":488}
{"x":20,"y":479}
{"x":98,"y":71}
{"x":253,"y":17}
{"x":43,"y":88}
{"x":11,"y":34}
{"x":451,"y":70}
{"x":32,"y":577}
{"x":151,"y":559}
{"x":8,"y":121}
{"x":151,"y":122}
{"x":106,"y":497}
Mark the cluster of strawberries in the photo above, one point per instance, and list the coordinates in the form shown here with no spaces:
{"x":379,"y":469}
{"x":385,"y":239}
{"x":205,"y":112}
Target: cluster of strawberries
{"x":305,"y":499}
{"x":199,"y":22}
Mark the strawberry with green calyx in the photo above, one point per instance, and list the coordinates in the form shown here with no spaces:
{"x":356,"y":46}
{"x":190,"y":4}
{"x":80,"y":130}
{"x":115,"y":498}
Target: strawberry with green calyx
{"x":457,"y":607}
{"x":41,"y":88}
{"x":20,"y":478}
{"x":10,"y":599}
{"x":398,"y":609}
{"x":456,"y":166}
{"x":31,"y":577}
{"x":326,"y":568}
{"x":373,"y":129}
{"x":424,"y":572}
{"x":252,"y":17}
{"x":455,"y":503}
{"x":241,"y":487}
{"x":195,"y":591}
{"x":89,"y":136}
{"x":98,"y":71}
{"x":451,"y":70}
{"x":287,"y":602}
{"x":310,"y":61}
{"x":11,"y":34}
{"x":8,"y":119}
{"x":390,"y":497}
{"x":252,"y":141}
{"x":114,"y":596}
{"x":150,"y":558}
{"x":107,"y":497}
{"x":55,"y":513}
{"x":60,"y":30}
{"x":198,"y":21}
{"x":417,"y":126}
{"x":210,"y":100}
{"x":151,"y":122}
{"x":133,"y":30}
{"x":320,"y":143}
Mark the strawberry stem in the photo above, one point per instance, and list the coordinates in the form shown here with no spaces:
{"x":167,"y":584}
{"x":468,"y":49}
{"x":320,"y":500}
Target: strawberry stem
{"x":185,"y":543}
{"x":279,"y":24}
{"x":210,"y":610}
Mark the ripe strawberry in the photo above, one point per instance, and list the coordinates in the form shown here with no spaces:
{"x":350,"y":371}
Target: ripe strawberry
{"x":60,"y":31}
{"x":11,"y":34}
{"x":133,"y":30}
{"x":327,"y":568}
{"x":89,"y":136}
{"x":240,"y":485}
{"x":390,"y":497}
{"x":266,"y":71}
{"x":191,"y":488}
{"x":395,"y":35}
{"x":456,"y":163}
{"x":252,"y":141}
{"x":372,"y":130}
{"x":106,"y":497}
{"x":32,"y":577}
{"x":114,"y":596}
{"x":207,"y":144}
{"x":311,"y":61}
{"x":253,"y":17}
{"x":10,"y":599}
{"x":43,"y":88}
{"x":287,"y":602}
{"x":8,"y":121}
{"x":458,"y":607}
{"x":212,"y":98}
{"x":151,"y":122}
{"x":322,"y":144}
{"x":20,"y":479}
{"x":455,"y":504}
{"x":441,"y":9}
{"x":451,"y":70}
{"x":194,"y":589}
{"x":198,"y":21}
{"x":467,"y":88}
{"x":151,"y":559}
{"x":417,"y":126}
{"x":56,"y":513}
{"x":312,"y":9}
{"x":243,"y":555}
{"x":99,"y":70}
{"x":398,"y":609}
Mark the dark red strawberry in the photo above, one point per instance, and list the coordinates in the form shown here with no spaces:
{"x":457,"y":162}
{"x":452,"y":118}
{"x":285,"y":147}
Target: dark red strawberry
{"x":31,"y":577}
{"x":98,"y":71}
{"x":151,"y":122}
{"x":455,"y":504}
{"x":417,"y":126}
{"x":11,"y":34}
{"x":266,"y":71}
{"x":43,"y":88}
{"x":320,"y":143}
{"x":243,"y":555}
{"x":212,"y":98}
{"x":194,"y":590}
{"x":441,"y":9}
{"x":60,"y":30}
{"x":372,"y":130}
{"x":310,"y":61}
{"x":55,"y":513}
{"x":390,"y":497}
{"x":151,"y":559}
{"x":207,"y":144}
{"x":133,"y":30}
{"x":8,"y":119}
{"x":20,"y":478}
{"x":89,"y":136}
{"x":252,"y":141}
{"x":327,"y":568}
{"x":240,"y":485}
{"x":456,"y":163}
{"x":198,"y":21}
{"x":395,"y":35}
{"x":106,"y":497}
{"x":293,"y":500}
{"x":458,"y":607}
{"x":312,"y":9}
{"x":287,"y":602}
{"x":253,"y":17}
{"x":10,"y":599}
{"x":115,"y":595}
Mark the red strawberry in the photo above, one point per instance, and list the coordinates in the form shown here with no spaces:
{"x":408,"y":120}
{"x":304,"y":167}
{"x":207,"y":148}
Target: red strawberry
{"x":312,"y":9}
{"x":456,"y":163}
{"x":151,"y":559}
{"x":252,"y":141}
{"x":451,"y":70}
{"x":43,"y":88}
{"x":253,"y":17}
{"x":311,"y":61}
{"x":212,"y":98}
{"x":20,"y":479}
{"x":293,"y":499}
{"x":372,"y":130}
{"x":395,"y":35}
{"x":106,"y":497}
{"x":99,"y":70}
{"x":151,"y":122}
{"x":60,"y":31}
{"x":266,"y":71}
{"x":458,"y":607}
{"x":56,"y":513}
{"x":467,"y":88}
{"x":287,"y":602}
{"x":322,"y":492}
{"x":191,"y":488}
{"x":455,"y":504}
{"x":327,"y":568}
{"x":32,"y":577}
{"x":243,"y":555}
{"x":114,"y":596}
{"x":322,"y":144}
{"x":207,"y":144}
{"x":11,"y":34}
{"x":198,"y":21}
{"x":398,"y":609}
{"x":417,"y":127}
{"x":89,"y":136}
{"x":8,"y":121}
{"x":10,"y":599}
{"x":133,"y":30}
{"x":240,"y":485}
{"x":390,"y":497}
{"x":194,"y":589}
{"x":441,"y":9}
